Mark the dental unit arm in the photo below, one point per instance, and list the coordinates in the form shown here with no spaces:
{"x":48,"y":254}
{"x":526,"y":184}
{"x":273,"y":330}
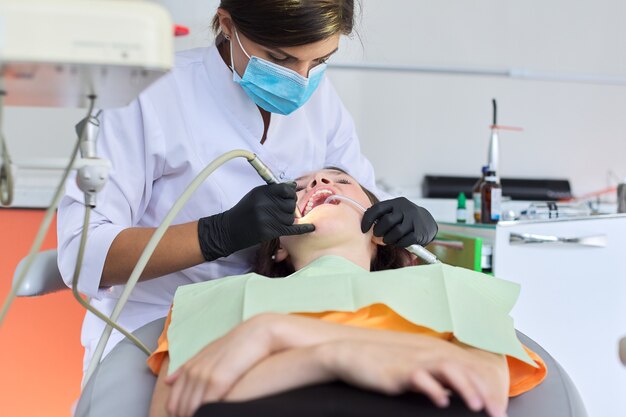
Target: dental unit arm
{"x":82,"y":60}
{"x":6,"y":169}
{"x":416,"y":250}
{"x":93,"y":172}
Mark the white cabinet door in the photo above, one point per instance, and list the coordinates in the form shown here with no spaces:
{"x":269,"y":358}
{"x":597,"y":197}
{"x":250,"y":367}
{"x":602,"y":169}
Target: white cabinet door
{"x":573,"y":300}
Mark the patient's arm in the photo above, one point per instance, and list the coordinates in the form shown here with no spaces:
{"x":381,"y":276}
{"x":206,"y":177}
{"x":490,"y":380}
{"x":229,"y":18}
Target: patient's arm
{"x":161,"y":392}
{"x":479,"y":377}
{"x":281,"y":372}
{"x":221,"y":363}
{"x":245,"y":363}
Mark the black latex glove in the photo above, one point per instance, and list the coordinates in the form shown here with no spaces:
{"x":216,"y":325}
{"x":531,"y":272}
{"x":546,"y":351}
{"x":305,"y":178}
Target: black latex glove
{"x":265,"y":213}
{"x":400,"y":223}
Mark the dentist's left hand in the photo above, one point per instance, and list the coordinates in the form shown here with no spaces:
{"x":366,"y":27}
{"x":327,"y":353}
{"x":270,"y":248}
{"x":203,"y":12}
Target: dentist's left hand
{"x":400,"y":223}
{"x":263,"y":214}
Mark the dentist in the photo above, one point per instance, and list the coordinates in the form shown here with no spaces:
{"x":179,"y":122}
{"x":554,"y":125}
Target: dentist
{"x":262,"y":88}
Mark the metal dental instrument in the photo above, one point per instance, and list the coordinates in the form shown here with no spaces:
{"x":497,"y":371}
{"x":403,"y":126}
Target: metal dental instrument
{"x":423,"y":253}
{"x":263,"y":170}
{"x":416,"y":250}
{"x":268,"y":176}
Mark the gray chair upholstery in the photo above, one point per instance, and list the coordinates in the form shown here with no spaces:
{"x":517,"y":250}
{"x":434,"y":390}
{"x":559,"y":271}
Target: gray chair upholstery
{"x":42,"y":278}
{"x":556,"y":396}
{"x":122,"y":385}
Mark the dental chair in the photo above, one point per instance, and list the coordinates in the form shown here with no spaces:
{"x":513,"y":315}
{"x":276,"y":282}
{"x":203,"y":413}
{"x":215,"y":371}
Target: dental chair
{"x":122,"y":385}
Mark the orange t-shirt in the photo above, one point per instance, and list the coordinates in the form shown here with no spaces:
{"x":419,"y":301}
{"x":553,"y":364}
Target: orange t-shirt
{"x":523,"y":377}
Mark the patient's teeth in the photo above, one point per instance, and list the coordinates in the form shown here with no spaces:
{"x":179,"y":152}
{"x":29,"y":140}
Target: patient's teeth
{"x":309,"y":205}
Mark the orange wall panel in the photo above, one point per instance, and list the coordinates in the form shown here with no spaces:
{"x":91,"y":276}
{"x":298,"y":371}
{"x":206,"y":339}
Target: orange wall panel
{"x":40,"y":350}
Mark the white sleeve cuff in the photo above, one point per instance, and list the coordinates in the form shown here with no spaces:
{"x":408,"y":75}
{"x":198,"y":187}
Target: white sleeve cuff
{"x":99,"y":240}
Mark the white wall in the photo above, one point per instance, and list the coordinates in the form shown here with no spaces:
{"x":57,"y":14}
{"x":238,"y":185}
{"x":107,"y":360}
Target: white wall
{"x":413,"y":124}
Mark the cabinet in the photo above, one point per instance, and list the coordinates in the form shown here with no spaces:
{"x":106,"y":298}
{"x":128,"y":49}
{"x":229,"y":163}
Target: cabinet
{"x":573,"y":295}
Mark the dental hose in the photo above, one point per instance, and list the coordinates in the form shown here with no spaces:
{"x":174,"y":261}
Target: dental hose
{"x":259,"y":166}
{"x":85,"y":303}
{"x":41,"y":233}
{"x":416,"y":250}
{"x":43,"y":228}
{"x":6,"y":172}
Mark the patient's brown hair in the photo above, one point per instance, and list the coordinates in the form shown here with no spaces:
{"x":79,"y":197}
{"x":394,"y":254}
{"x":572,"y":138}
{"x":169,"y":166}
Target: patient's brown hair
{"x":387,"y":257}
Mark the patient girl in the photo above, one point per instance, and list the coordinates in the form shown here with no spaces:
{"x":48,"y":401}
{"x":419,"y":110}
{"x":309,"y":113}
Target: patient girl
{"x":373,"y":349}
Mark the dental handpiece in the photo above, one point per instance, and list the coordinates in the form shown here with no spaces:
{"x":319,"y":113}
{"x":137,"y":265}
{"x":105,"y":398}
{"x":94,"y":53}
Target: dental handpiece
{"x":416,"y":250}
{"x":268,"y":176}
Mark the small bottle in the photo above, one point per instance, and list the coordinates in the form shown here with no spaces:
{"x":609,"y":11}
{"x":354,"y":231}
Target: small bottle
{"x":461,"y":211}
{"x":476,"y":194}
{"x":491,"y":199}
{"x":621,"y":197}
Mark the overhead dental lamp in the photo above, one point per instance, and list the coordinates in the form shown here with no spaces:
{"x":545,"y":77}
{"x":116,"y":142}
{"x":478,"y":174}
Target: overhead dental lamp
{"x":58,"y":53}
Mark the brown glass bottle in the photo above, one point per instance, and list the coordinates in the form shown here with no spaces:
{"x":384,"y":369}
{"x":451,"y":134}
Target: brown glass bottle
{"x":476,"y":197}
{"x":491,"y":199}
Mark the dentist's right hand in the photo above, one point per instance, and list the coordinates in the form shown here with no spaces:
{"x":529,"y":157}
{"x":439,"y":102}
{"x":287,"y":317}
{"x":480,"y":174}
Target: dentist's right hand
{"x":265,"y":213}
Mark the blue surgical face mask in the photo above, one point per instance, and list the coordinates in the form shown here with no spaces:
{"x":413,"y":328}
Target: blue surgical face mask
{"x":273,"y":87}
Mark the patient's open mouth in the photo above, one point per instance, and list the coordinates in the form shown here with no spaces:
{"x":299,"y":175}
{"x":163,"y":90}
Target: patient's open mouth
{"x":317,"y":199}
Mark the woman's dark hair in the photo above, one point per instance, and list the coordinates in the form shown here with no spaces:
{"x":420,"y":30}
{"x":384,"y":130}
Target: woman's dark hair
{"x":284,"y":23}
{"x":387,"y":257}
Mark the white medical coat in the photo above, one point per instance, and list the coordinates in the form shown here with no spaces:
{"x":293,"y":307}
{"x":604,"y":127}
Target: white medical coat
{"x":160,"y":142}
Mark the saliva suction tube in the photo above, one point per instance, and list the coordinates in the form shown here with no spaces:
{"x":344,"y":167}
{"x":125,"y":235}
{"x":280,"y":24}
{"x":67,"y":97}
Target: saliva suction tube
{"x":416,"y":250}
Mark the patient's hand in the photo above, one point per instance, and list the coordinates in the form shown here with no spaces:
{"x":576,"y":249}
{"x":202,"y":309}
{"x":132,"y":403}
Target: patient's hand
{"x":212,"y":372}
{"x":376,"y":359}
{"x":479,"y":377}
